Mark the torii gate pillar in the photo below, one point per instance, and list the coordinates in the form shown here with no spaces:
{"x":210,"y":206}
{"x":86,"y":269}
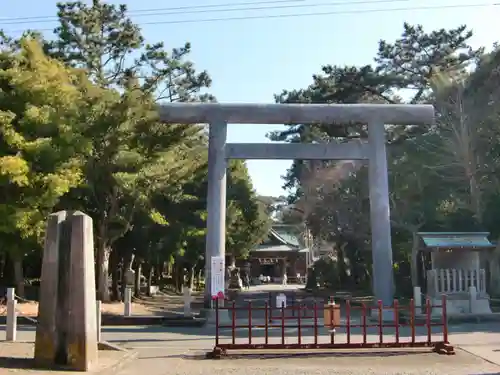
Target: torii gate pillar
{"x":382,"y":275}
{"x":216,"y":200}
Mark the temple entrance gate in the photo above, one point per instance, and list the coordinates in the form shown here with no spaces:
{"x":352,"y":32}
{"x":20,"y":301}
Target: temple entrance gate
{"x":372,"y":149}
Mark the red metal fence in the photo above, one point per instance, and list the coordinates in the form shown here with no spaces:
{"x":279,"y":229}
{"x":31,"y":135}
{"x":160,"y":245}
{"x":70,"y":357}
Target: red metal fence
{"x":330,"y":326}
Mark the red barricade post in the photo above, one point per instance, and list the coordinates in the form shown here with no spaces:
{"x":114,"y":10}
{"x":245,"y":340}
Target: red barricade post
{"x":412,"y":320}
{"x":445,"y":319}
{"x":283,"y":323}
{"x":331,"y":318}
{"x":363,"y":317}
{"x":270,"y":307}
{"x":348,"y":320}
{"x":380,"y":322}
{"x":233,"y":323}
{"x":217,"y":323}
{"x":396,"y":318}
{"x":299,"y":325}
{"x":250,"y":322}
{"x":428,"y":319}
{"x":315,"y":324}
{"x":266,"y":323}
{"x":330,"y":322}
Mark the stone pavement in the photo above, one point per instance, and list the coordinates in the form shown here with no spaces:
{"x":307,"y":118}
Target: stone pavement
{"x":180,"y":351}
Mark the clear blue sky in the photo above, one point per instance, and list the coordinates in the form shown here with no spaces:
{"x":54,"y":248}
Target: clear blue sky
{"x":250,"y":60}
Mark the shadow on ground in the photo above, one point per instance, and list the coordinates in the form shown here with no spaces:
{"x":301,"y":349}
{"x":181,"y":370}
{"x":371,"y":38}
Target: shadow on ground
{"x":14,"y":363}
{"x":317,"y":354}
{"x":17,"y":363}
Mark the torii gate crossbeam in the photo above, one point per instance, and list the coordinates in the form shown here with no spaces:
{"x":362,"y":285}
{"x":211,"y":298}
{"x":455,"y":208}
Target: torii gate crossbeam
{"x":373,"y":149}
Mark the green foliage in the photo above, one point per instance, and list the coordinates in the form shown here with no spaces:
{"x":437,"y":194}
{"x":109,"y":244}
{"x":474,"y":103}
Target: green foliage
{"x":115,"y":50}
{"x":442,"y":177}
{"x":80,"y":130}
{"x":247,"y":221}
{"x":42,"y":112}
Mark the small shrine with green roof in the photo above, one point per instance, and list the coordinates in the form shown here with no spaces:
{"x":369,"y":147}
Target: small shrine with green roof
{"x":453,"y":264}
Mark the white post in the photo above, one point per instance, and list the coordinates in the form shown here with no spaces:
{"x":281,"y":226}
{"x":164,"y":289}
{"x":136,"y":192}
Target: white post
{"x":441,"y":281}
{"x":128,"y":302}
{"x":281,"y":300}
{"x":482,"y":281}
{"x":448,"y":280}
{"x":455,"y":280}
{"x":11,"y":328}
{"x":187,"y":301}
{"x":460,"y":281}
{"x":417,"y":299}
{"x":436,"y":281}
{"x":98,"y":320}
{"x":472,"y":299}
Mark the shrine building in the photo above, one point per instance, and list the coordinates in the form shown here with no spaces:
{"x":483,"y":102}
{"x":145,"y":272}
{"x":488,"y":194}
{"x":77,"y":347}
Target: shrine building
{"x":280,"y":251}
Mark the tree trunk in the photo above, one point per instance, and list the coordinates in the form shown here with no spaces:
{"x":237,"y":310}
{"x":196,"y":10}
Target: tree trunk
{"x":157,"y":274}
{"x":3,"y":261}
{"x":199,"y":274}
{"x":157,"y":270}
{"x":232,"y":264}
{"x":191,"y":277}
{"x":19,"y":277}
{"x":137,"y":286}
{"x":178,"y":276}
{"x":115,"y":276}
{"x":149,"y":279}
{"x":414,"y":260}
{"x":170,"y":269}
{"x":103,"y":254}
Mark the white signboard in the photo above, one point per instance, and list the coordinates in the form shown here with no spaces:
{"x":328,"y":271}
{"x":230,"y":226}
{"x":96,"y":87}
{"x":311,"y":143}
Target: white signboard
{"x":281,"y":300}
{"x":217,"y":278}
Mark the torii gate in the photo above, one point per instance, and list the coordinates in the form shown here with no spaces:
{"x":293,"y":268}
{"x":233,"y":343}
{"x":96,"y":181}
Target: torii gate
{"x":372,"y":149}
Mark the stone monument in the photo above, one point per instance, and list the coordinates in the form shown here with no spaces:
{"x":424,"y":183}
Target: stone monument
{"x":66,"y":333}
{"x":129,"y":278}
{"x":129,"y":284}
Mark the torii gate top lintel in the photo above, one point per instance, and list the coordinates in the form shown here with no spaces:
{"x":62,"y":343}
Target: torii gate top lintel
{"x":394,"y":114}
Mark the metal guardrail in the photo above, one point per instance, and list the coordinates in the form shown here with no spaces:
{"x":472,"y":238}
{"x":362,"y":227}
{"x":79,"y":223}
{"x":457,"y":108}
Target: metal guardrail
{"x":329,"y":326}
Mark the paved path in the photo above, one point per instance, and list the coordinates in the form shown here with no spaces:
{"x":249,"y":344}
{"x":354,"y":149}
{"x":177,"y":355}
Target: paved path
{"x":180,"y":351}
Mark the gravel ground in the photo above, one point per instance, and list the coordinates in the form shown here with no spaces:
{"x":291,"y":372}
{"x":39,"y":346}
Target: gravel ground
{"x":180,"y":351}
{"x":292,"y":364}
{"x":177,"y":351}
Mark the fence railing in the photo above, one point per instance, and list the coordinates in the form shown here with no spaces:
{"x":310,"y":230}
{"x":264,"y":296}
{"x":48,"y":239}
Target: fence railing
{"x":451,"y":280}
{"x":329,"y":326}
{"x":297,"y":304}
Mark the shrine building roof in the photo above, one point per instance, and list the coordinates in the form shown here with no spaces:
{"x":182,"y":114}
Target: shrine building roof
{"x":281,"y":239}
{"x":454,"y":240}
